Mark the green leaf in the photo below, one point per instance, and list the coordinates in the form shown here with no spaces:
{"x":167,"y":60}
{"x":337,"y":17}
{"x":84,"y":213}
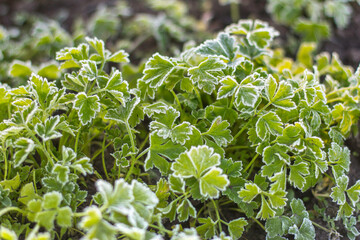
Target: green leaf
{"x":207,"y":74}
{"x":20,"y":69}
{"x":250,"y":191}
{"x":195,"y":162}
{"x":230,"y":168}
{"x":265,"y":211}
{"x":339,"y":159}
{"x":117,"y":87}
{"x":213,"y":182}
{"x":64,"y":217}
{"x":304,"y":54}
{"x":49,"y":70}
{"x":119,"y":57}
{"x":228,"y":87}
{"x":7,"y":234}
{"x":247,"y":95}
{"x":279,"y":94}
{"x":41,"y":89}
{"x":277,"y":226}
{"x":89,"y":69}
{"x":354,"y":192}
{"x":219,"y":132}
{"x":277,"y":199}
{"x":298,"y":171}
{"x":158,"y":68}
{"x":207,"y":229}
{"x":267,"y":124}
{"x":46,"y":219}
{"x":185,"y":209}
{"x":306,"y":231}
{"x":48,"y":131}
{"x":177,"y":184}
{"x":11,"y":184}
{"x":223,"y":46}
{"x":236,"y":227}
{"x":75,"y":82}
{"x":27,"y":193}
{"x":338,"y":192}
{"x":123,"y":113}
{"x":276,"y":153}
{"x":52,"y":200}
{"x":24,"y":147}
{"x":87,"y":107}
{"x":299,"y":211}
{"x":160,"y":149}
{"x":98,"y":45}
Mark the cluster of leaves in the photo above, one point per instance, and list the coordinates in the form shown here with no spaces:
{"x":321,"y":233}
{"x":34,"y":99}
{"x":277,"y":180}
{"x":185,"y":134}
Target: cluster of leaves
{"x":311,"y":18}
{"x":224,"y":126}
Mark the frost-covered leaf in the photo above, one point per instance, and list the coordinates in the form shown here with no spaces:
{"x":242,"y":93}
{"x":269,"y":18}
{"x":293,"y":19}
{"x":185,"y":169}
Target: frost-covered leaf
{"x":265,"y":211}
{"x":157,"y":70}
{"x":354,"y":192}
{"x":207,"y":229}
{"x":195,"y":162}
{"x":213,"y":182}
{"x":228,"y":87}
{"x":48,"y":131}
{"x":87,"y":106}
{"x":236,"y":227}
{"x":250,"y":191}
{"x":207,"y":74}
{"x":279,"y":94}
{"x":177,"y":184}
{"x":123,"y":113}
{"x":298,"y":171}
{"x":119,"y":57}
{"x":24,"y":147}
{"x":160,"y":149}
{"x":115,"y":86}
{"x":339,"y":159}
{"x":223,"y":46}
{"x":305,"y":232}
{"x":98,"y":45}
{"x":185,"y":210}
{"x":64,"y":217}
{"x":268,"y":124}
{"x":219,"y":132}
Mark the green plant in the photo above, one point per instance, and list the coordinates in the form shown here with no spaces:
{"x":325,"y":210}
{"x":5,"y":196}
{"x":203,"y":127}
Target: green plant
{"x":310,"y":18}
{"x":225,"y":126}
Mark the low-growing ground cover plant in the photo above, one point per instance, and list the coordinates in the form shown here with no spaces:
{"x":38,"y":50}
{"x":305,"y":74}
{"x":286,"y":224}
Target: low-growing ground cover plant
{"x":204,"y":145}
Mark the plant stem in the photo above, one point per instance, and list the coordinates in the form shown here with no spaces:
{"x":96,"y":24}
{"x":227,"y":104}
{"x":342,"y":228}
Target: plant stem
{"x":177,"y":100}
{"x":341,"y":90}
{"x":100,"y":151}
{"x":198,"y":97}
{"x":249,"y":121}
{"x":250,"y":163}
{"x":77,"y":139}
{"x":8,"y":209}
{"x":234,"y":8}
{"x":133,"y":161}
{"x":217,"y":214}
{"x":161,"y":229}
{"x":236,"y":148}
{"x":142,"y":153}
{"x":5,"y":162}
{"x":321,"y":227}
{"x":259,"y":223}
{"x":103,"y":158}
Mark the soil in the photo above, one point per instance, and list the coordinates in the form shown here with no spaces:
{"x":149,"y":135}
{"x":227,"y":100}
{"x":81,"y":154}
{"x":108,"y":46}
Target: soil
{"x":345,"y":42}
